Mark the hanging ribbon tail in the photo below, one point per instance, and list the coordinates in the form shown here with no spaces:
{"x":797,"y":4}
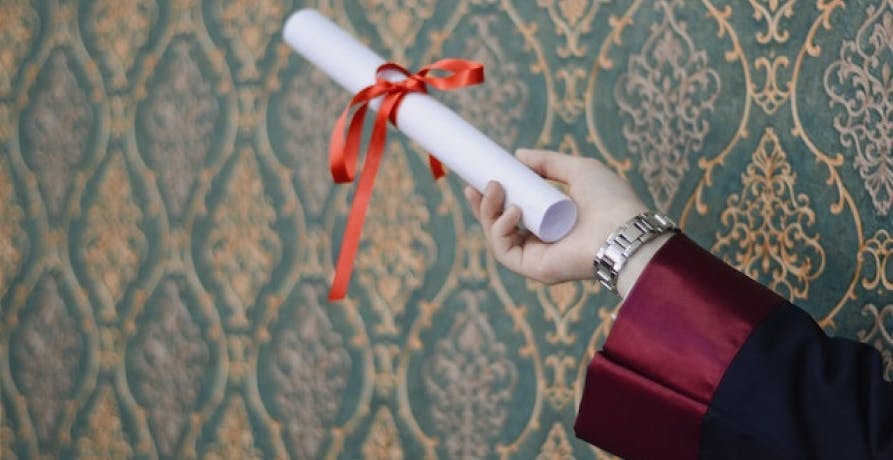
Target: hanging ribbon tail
{"x":344,"y":147}
{"x":341,"y":171}
{"x":363,"y":194}
{"x":344,"y":144}
{"x":437,"y":169}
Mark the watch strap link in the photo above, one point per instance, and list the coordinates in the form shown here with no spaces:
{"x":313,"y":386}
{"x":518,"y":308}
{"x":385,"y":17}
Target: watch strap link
{"x":620,"y":245}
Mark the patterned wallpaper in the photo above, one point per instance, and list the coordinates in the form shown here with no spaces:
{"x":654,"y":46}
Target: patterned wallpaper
{"x":167,"y":223}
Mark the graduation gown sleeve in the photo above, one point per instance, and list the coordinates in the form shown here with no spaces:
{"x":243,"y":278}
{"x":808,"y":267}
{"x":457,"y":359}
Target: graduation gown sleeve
{"x":703,"y":362}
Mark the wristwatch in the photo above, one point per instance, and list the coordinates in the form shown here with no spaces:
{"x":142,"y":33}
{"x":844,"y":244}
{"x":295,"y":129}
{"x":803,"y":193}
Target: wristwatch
{"x":612,"y":256}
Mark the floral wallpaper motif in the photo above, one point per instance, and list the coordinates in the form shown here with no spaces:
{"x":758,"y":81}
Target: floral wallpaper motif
{"x":168,"y":226}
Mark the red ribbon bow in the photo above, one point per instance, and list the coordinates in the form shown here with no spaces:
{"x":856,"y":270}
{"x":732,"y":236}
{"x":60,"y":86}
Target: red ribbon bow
{"x":344,"y":150}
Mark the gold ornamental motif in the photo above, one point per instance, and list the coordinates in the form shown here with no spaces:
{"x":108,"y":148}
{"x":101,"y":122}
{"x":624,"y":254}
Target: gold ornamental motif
{"x":571,"y":104}
{"x":559,"y":393}
{"x":249,"y":26}
{"x":562,"y":304}
{"x":858,"y":84}
{"x":112,"y":243}
{"x":120,"y":30}
{"x":470,"y":382}
{"x":765,"y":226}
{"x":879,"y":334}
{"x":572,"y":19}
{"x":395,"y":250}
{"x":879,"y":251}
{"x":385,"y":370}
{"x":18,"y":25}
{"x":234,"y":439}
{"x":666,"y":96}
{"x":105,"y":436}
{"x":13,"y":239}
{"x":243,"y":248}
{"x":398,"y":22}
{"x":770,"y":97}
{"x":383,"y":440}
{"x":772,"y":12}
{"x":557,"y":446}
{"x":496,"y":107}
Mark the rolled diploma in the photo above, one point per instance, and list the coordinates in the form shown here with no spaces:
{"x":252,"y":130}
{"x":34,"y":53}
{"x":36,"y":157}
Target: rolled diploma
{"x":546,"y":212}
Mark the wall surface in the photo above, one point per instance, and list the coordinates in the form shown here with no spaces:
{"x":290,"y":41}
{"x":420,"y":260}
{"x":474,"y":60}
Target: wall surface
{"x":168,"y":225}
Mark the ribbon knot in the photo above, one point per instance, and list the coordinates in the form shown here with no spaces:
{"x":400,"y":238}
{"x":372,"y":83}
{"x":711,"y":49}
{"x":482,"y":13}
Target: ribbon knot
{"x":344,"y":146}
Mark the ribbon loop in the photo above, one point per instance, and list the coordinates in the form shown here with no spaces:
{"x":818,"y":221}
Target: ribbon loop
{"x":344,"y":144}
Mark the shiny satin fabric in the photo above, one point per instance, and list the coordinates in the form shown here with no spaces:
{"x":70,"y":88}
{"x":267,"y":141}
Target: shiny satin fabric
{"x":677,"y":331}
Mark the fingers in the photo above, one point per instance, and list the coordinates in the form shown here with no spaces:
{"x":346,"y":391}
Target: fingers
{"x":500,"y":227}
{"x":474,"y":201}
{"x":518,"y":250}
{"x":551,"y":165}
{"x":503,"y":234}
{"x":491,"y":204}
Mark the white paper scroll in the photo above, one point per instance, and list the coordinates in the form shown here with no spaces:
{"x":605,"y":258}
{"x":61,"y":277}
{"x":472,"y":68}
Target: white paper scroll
{"x":546,"y":212}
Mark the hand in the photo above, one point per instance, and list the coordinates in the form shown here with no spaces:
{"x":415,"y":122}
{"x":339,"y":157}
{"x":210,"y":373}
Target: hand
{"x":604,"y":202}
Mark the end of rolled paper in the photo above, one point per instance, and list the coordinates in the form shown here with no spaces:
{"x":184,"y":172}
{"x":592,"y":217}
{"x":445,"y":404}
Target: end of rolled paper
{"x":295,"y":19}
{"x":558,"y":221}
{"x":293,"y":31}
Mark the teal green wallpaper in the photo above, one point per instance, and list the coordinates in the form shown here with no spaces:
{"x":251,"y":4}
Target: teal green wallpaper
{"x":168,"y":225}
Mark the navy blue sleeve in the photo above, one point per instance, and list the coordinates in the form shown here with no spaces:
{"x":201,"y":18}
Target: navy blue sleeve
{"x":703,"y":362}
{"x":792,"y":392}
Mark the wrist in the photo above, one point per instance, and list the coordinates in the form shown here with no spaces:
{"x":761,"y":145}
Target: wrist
{"x":637,"y":262}
{"x":630,"y":242}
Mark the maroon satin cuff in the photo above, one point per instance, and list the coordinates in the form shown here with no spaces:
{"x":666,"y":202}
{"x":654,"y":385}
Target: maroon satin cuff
{"x":677,"y":331}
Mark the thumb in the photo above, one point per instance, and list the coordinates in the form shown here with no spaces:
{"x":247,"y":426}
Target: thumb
{"x":550,"y":165}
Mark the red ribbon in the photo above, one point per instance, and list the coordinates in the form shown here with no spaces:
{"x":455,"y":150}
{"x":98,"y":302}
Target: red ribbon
{"x":344,"y":150}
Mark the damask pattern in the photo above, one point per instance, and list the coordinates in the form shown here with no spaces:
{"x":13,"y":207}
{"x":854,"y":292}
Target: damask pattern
{"x":119,"y":30}
{"x":56,"y":128}
{"x":18,"y":22}
{"x":168,"y":225}
{"x":13,"y":239}
{"x":767,"y":226}
{"x":308,"y":369}
{"x":112,"y":244}
{"x":668,"y":91}
{"x":179,"y":117}
{"x":168,"y":368}
{"x":105,"y":436}
{"x":242,"y":244}
{"x":470,"y":381}
{"x":857,"y":82}
{"x":47,"y":350}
